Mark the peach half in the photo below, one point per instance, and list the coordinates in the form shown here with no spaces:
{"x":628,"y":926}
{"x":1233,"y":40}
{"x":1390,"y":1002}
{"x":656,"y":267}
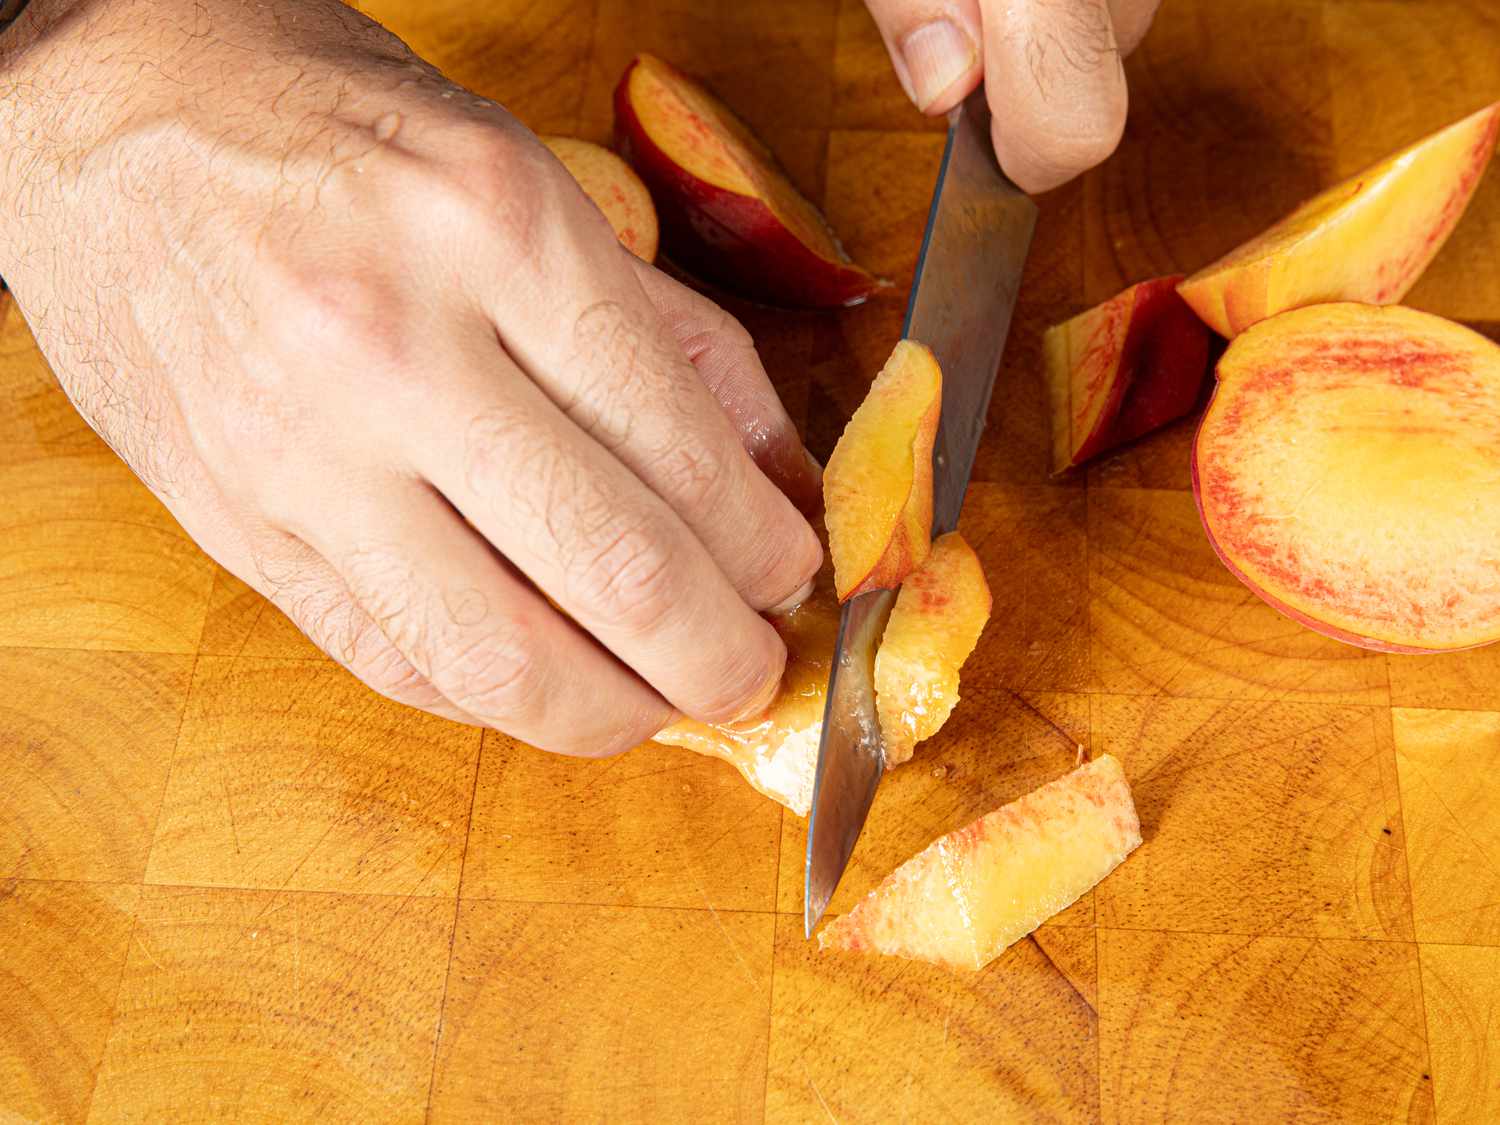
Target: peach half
{"x":967,"y":896}
{"x":728,"y":212}
{"x":1348,"y":472}
{"x":615,"y":189}
{"x":1366,"y":239}
{"x":1122,"y":369}
{"x":939,"y":613}
{"x":877,"y":486}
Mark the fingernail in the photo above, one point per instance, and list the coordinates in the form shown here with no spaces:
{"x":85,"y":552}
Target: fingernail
{"x":936,"y":55}
{"x":795,"y":600}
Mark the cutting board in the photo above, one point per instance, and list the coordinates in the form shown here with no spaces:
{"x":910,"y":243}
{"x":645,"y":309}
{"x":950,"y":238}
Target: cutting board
{"x":235,"y":883}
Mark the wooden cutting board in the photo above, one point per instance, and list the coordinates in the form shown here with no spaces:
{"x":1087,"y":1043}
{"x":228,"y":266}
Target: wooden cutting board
{"x":234,"y":883}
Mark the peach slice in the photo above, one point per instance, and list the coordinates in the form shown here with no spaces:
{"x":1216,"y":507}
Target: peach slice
{"x":777,"y":752}
{"x":1122,"y":369}
{"x":934,"y":626}
{"x":728,"y":212}
{"x":967,"y":896}
{"x":877,"y":487}
{"x":1348,"y":472}
{"x":615,"y":189}
{"x":1366,"y":239}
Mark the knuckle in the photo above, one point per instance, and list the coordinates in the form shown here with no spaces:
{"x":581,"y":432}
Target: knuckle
{"x":498,"y":676}
{"x":625,"y":575}
{"x":355,"y":318}
{"x":695,"y":476}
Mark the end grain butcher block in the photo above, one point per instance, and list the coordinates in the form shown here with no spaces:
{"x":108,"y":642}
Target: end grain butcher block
{"x":233,"y":883}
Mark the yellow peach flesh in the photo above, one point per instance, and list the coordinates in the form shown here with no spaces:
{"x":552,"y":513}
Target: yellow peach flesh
{"x":877,"y":488}
{"x":1366,"y":239}
{"x":967,"y":896}
{"x":935,"y":624}
{"x":1348,"y":468}
{"x":711,"y":143}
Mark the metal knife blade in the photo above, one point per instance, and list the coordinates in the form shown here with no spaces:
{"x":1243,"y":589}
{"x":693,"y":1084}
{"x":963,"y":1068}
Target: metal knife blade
{"x":968,"y":275}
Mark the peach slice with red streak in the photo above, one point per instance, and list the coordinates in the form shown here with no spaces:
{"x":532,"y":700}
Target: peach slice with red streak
{"x":728,"y":212}
{"x":969,"y":895}
{"x":615,"y":189}
{"x":939,"y":613}
{"x":1347,"y":470}
{"x":777,"y":752}
{"x":877,"y":486}
{"x":1122,"y":369}
{"x":1366,"y":239}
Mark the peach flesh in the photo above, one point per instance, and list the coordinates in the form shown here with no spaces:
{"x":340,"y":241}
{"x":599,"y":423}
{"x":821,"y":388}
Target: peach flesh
{"x":728,"y":213}
{"x":1123,"y":369}
{"x":967,"y":896}
{"x":1348,"y":472}
{"x":1365,"y":239}
{"x":939,"y":613}
{"x":877,"y":487}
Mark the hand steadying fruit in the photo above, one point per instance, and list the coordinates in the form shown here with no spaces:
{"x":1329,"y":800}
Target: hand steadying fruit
{"x":381,"y":358}
{"x":1051,"y":70}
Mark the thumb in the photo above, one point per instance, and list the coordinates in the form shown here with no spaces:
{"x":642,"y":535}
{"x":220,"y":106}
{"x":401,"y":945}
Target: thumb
{"x":934,"y":46}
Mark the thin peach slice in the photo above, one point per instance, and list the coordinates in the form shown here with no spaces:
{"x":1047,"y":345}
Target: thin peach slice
{"x":935,"y":624}
{"x":1366,"y":239}
{"x":615,"y":189}
{"x":728,"y":212}
{"x":969,"y":895}
{"x":877,"y":486}
{"x":1122,"y":369}
{"x":1348,"y":472}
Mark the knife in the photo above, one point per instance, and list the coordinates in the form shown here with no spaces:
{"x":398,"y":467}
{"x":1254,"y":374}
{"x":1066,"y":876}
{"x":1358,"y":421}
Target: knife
{"x":968,"y":274}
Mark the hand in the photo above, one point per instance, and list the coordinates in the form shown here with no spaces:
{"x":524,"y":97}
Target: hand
{"x":384,"y":361}
{"x":1051,"y":70}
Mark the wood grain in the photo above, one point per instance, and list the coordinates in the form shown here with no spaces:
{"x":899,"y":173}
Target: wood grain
{"x":1216,"y":1028}
{"x":561,"y":1013}
{"x":1461,"y":988}
{"x":1449,"y":790}
{"x":86,"y":742}
{"x":64,"y":948}
{"x":266,"y":792}
{"x":281,"y":1006}
{"x":248,"y":888}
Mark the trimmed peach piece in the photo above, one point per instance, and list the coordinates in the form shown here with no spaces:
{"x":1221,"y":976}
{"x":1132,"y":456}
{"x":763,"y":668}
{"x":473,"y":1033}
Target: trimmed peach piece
{"x":934,"y":626}
{"x":1122,"y":369}
{"x":1367,"y":239}
{"x":615,"y":189}
{"x":728,"y":212}
{"x":1348,"y":472}
{"x":877,"y":488}
{"x":777,"y":752}
{"x":972,"y":893}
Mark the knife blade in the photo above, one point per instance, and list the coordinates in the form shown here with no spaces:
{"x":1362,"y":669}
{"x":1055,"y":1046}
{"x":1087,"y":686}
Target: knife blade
{"x":968,"y":275}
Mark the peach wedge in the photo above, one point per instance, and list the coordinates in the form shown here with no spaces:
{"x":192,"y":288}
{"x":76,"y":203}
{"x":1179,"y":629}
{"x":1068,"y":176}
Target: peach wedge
{"x":615,"y":189}
{"x":1348,"y":472}
{"x":877,"y":487}
{"x":1122,"y":369}
{"x":728,"y":212}
{"x":1366,"y":239}
{"x":972,"y":893}
{"x":935,"y":624}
